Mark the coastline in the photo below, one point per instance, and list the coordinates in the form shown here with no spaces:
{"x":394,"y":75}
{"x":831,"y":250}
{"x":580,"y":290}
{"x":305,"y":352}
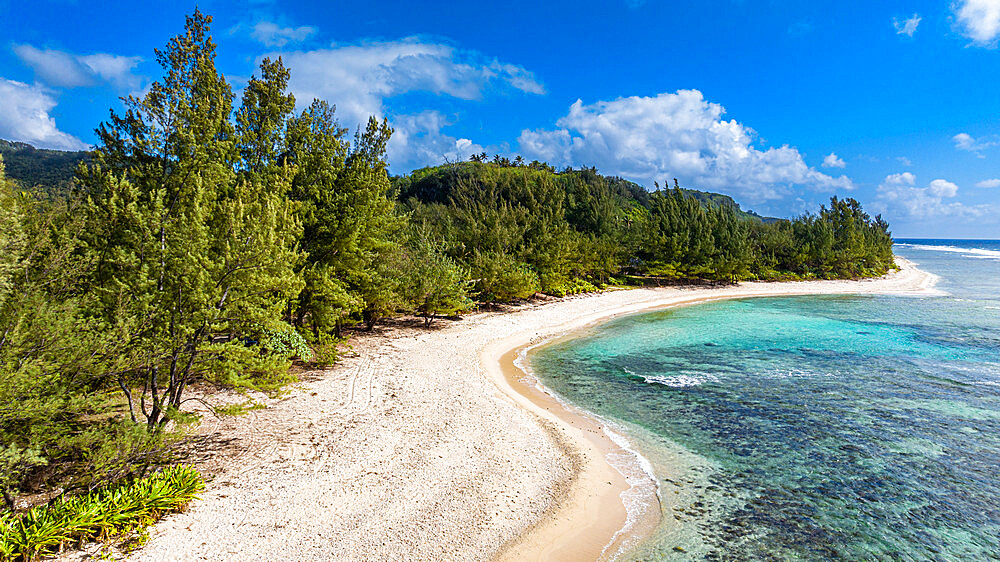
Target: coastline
{"x":406,"y":449}
{"x":571,"y":531}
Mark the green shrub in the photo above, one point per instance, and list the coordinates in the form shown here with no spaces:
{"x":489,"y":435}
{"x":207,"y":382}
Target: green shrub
{"x":239,"y":408}
{"x":500,"y":278}
{"x":112,"y":512}
{"x":326,"y":350}
{"x":286,"y":343}
{"x":571,"y":287}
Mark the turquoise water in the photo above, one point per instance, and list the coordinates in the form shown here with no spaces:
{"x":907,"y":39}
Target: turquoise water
{"x":820,"y":427}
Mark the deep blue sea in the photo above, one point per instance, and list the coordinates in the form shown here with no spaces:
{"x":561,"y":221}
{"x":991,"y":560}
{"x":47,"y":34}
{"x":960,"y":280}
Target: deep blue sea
{"x":816,"y":427}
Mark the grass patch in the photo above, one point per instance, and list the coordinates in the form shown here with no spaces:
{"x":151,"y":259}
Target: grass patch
{"x":239,"y":409}
{"x":120,"y":512}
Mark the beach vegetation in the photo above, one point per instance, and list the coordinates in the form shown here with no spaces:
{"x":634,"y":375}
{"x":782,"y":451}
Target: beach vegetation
{"x":116,"y":514}
{"x":215,"y":242}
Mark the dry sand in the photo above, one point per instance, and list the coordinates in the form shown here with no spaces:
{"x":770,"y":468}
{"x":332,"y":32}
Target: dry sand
{"x":423,"y":447}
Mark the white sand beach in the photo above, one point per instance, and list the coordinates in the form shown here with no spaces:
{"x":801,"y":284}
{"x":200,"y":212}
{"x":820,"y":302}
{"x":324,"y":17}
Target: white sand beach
{"x":424,"y":446}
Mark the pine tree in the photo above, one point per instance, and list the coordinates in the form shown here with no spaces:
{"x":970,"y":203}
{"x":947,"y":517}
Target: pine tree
{"x":193,"y":258}
{"x":435,"y":285}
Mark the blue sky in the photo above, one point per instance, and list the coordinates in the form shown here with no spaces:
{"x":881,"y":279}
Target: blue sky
{"x":779,"y":104}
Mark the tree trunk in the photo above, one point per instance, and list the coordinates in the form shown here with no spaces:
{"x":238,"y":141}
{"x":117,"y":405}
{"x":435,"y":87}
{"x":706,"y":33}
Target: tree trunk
{"x":8,"y":499}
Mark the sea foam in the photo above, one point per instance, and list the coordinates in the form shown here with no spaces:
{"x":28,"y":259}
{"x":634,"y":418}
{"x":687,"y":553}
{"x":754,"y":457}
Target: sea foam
{"x":675,"y":381}
{"x":635,"y":468}
{"x":642,"y":481}
{"x":979,"y":253}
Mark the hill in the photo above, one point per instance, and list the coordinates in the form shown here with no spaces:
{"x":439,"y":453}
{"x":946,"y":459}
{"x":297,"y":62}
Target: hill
{"x":45,"y":169}
{"x":436,"y":184}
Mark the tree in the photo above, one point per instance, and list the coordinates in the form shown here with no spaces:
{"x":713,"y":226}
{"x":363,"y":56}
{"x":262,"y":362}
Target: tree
{"x":193,"y":257}
{"x":263,"y":118}
{"x":435,"y":284}
{"x":54,"y":359}
{"x":348,"y":212}
{"x":498,"y":277}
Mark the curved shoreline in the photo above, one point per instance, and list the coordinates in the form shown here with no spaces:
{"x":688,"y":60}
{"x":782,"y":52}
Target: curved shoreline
{"x":572,"y":529}
{"x":415,"y":446}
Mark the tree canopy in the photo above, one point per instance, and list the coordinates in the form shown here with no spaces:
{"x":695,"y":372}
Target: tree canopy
{"x":213,"y":240}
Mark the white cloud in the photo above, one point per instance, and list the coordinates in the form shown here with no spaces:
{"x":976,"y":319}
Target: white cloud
{"x":965,"y":141}
{"x":904,"y":161}
{"x":942,"y":188}
{"x":359,"y":77}
{"x":417,"y":141}
{"x":24,"y":116}
{"x":833,"y":161}
{"x":898,"y":197}
{"x":673,"y":135}
{"x":114,"y":69}
{"x":906,"y":27}
{"x":67,"y":70}
{"x":273,"y":35}
{"x":979,"y":20}
{"x":905,"y":178}
{"x":989,"y":184}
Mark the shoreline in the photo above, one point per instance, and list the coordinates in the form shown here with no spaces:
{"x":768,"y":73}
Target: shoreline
{"x":418,"y":445}
{"x":561,"y":536}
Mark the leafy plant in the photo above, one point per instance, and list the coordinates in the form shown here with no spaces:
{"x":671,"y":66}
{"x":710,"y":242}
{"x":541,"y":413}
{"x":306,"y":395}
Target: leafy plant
{"x":240,"y":408}
{"x":108,"y":513}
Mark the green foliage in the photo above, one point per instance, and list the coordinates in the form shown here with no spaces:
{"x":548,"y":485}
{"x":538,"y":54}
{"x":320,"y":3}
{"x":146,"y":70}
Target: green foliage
{"x":286,"y":343}
{"x":102,"y":514}
{"x":576,"y":229}
{"x":572,"y":287}
{"x":435,"y":285}
{"x":190,"y":250}
{"x":47,"y":171}
{"x":57,"y":423}
{"x":239,"y":408}
{"x":243,"y":367}
{"x":350,"y":224}
{"x":326,"y":350}
{"x":498,"y":277}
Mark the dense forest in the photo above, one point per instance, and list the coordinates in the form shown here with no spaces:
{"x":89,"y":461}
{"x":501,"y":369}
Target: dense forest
{"x":212,"y":240}
{"x":51,"y":171}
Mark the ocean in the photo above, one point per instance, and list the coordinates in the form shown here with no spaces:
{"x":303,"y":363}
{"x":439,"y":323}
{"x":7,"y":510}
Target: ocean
{"x":814,"y":427}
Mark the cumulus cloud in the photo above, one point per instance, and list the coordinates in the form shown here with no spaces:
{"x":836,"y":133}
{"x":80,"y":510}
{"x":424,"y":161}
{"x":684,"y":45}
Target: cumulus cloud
{"x":979,"y":20}
{"x":273,"y":35}
{"x":674,"y":135}
{"x":68,"y":70}
{"x":965,"y":141}
{"x":24,"y":116}
{"x":899,"y":197}
{"x":359,"y":77}
{"x":833,"y":161}
{"x":989,"y":184}
{"x":904,"y":161}
{"x":417,"y":141}
{"x":906,"y":27}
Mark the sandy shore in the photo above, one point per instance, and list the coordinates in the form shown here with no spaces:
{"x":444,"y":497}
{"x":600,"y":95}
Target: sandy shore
{"x":425,"y":445}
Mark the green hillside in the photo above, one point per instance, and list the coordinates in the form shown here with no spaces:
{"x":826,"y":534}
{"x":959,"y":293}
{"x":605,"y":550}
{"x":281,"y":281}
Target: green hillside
{"x":49,"y":170}
{"x":435,"y":184}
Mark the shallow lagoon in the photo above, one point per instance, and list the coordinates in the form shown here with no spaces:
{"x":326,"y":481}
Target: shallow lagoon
{"x":812,"y":427}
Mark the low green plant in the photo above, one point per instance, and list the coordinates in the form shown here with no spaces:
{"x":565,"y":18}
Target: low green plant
{"x":114,"y":512}
{"x":286,"y":343}
{"x":326,"y":350}
{"x":238,"y":409}
{"x":571,"y":287}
